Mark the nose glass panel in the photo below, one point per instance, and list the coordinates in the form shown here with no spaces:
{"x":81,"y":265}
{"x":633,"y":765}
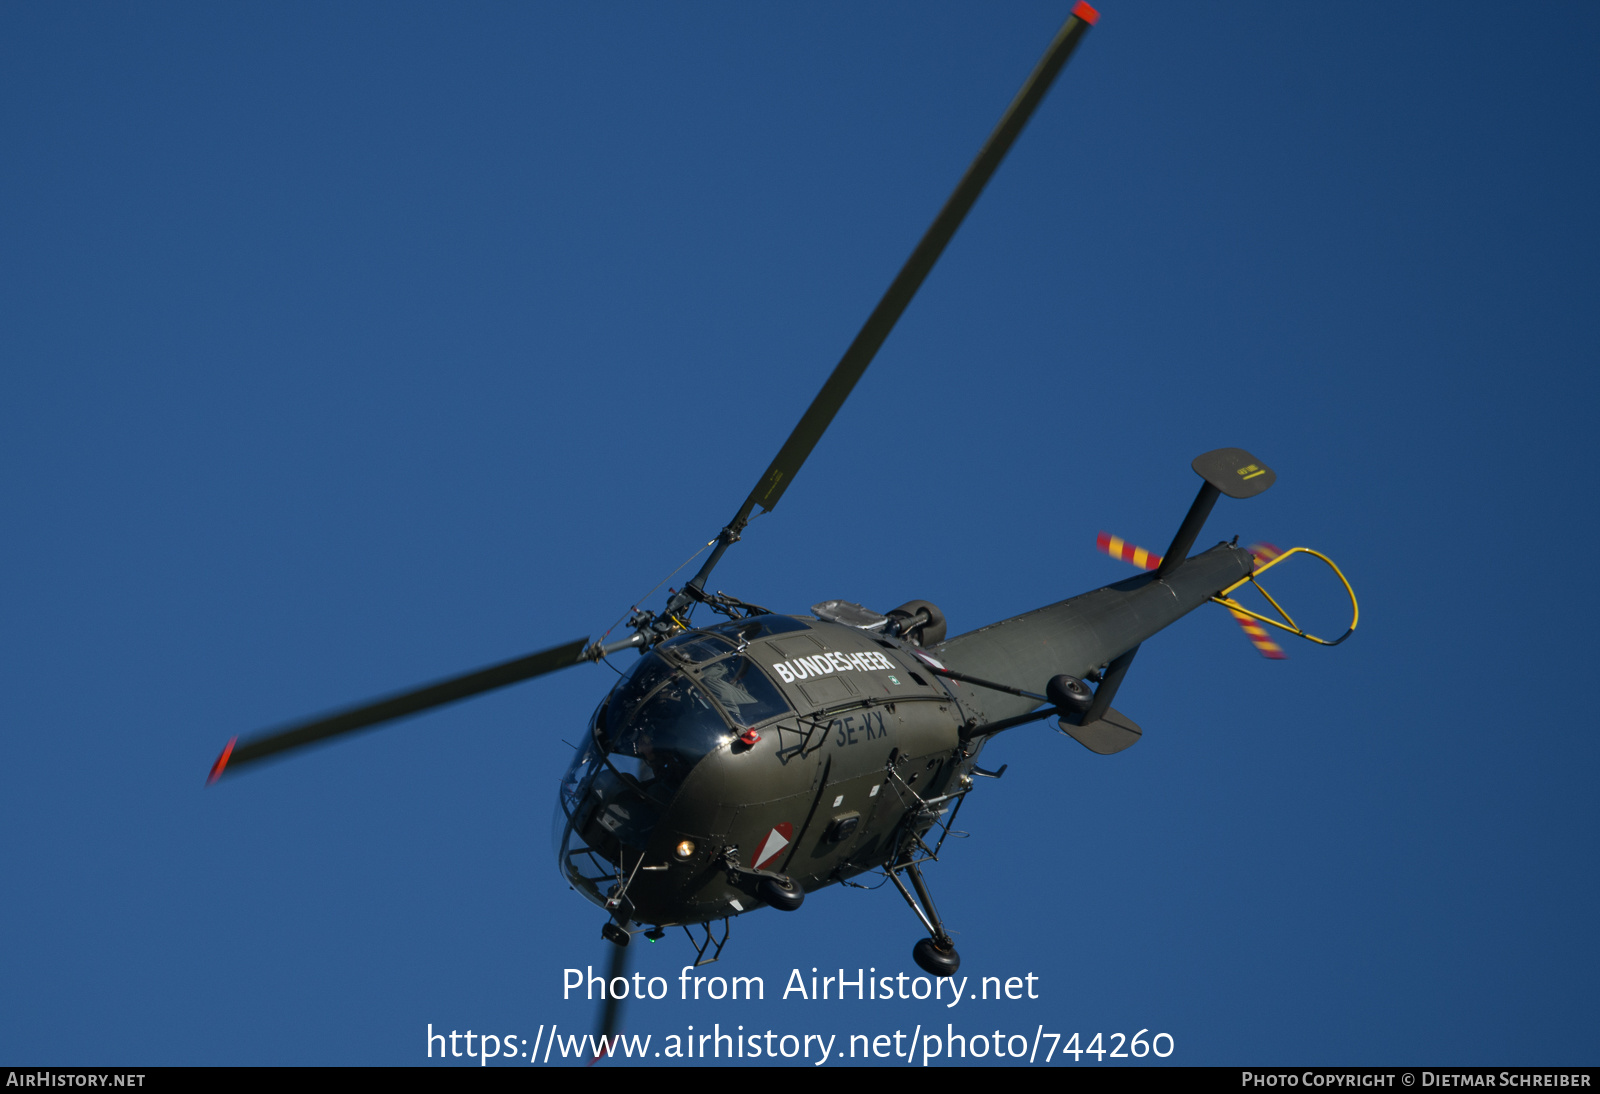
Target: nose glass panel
{"x":603,"y":820}
{"x":651,"y":731}
{"x":641,"y":744}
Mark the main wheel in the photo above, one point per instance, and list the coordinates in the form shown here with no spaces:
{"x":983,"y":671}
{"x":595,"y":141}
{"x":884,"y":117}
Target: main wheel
{"x":934,"y":960}
{"x":1068,"y":694}
{"x":781,"y":892}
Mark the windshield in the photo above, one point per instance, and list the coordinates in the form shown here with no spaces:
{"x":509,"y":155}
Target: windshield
{"x":668,"y":732}
{"x":654,"y":727}
{"x":743,"y":690}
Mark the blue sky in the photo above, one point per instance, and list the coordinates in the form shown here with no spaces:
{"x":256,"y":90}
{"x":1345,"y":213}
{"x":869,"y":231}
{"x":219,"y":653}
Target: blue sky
{"x":347,"y":348}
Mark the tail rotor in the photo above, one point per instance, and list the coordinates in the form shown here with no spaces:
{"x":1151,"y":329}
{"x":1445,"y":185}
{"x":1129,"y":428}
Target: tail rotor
{"x":1124,"y":551}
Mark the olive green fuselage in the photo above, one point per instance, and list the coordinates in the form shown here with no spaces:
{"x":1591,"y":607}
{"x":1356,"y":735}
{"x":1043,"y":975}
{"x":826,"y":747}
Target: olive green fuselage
{"x":875,"y":749}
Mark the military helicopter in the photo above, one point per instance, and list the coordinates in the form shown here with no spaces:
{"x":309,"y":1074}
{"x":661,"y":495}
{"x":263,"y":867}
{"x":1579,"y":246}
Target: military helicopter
{"x":755,"y":758}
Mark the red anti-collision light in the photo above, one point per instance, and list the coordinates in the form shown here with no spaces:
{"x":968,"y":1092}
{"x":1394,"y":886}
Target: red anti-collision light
{"x":749,"y":737}
{"x":1086,"y":13}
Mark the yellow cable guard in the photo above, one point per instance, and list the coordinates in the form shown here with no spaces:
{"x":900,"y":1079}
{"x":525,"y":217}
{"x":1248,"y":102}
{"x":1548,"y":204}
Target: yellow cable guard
{"x":1289,"y":624}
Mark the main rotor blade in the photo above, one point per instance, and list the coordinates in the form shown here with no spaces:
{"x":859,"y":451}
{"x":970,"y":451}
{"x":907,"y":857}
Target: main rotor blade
{"x":397,"y":706}
{"x":611,"y":1009}
{"x":904,"y":286}
{"x":876,"y":330}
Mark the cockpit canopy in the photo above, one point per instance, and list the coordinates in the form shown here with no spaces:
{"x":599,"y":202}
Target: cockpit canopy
{"x":672,"y":708}
{"x":675,"y":706}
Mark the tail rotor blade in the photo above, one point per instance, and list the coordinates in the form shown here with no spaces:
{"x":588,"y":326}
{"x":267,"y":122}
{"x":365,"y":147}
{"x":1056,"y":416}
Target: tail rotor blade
{"x":1264,"y":552}
{"x":1259,"y":637}
{"x":1124,"y":551}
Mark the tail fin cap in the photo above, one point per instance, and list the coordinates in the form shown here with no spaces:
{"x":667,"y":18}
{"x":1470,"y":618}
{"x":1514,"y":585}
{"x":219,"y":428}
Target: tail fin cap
{"x":1235,"y":472}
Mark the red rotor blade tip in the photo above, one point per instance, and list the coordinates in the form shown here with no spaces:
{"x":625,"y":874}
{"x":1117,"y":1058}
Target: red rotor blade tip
{"x":1086,"y":13}
{"x":222,"y":762}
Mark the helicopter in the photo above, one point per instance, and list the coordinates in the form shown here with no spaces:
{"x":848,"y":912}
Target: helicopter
{"x":753,"y":759}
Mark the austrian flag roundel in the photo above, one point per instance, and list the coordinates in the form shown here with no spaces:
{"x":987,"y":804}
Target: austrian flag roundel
{"x":773,"y":846}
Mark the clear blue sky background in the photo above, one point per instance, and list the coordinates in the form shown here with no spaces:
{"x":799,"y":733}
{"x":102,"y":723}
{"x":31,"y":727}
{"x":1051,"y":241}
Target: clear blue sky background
{"x":344,"y":348}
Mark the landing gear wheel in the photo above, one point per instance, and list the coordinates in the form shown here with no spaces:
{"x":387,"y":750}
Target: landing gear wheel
{"x":934,"y":960}
{"x":781,"y":893}
{"x":613,"y":933}
{"x":1069,"y":695}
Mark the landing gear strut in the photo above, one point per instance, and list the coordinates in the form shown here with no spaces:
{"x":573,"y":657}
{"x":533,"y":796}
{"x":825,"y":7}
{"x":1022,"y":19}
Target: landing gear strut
{"x":778,"y":890}
{"x":935,"y":955}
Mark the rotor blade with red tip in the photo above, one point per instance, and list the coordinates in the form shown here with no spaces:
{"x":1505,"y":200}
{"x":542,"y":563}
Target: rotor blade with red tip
{"x":1127,"y":552}
{"x":787,"y":463}
{"x":464,"y":686}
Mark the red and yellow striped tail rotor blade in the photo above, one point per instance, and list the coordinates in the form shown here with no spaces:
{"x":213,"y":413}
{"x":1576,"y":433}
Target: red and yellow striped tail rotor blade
{"x":1127,"y":552}
{"x":1264,"y":552}
{"x":1256,"y":631}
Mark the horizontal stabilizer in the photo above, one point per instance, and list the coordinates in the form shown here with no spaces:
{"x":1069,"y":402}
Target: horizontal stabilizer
{"x":1109,"y":734}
